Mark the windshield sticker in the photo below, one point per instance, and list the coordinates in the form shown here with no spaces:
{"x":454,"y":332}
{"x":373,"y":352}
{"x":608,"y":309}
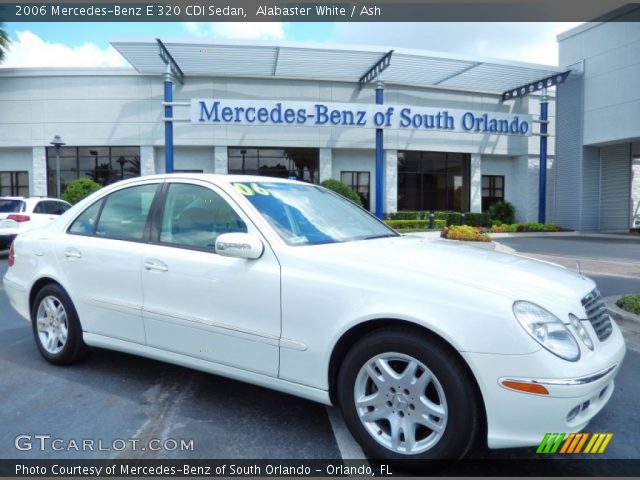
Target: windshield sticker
{"x":250,"y":189}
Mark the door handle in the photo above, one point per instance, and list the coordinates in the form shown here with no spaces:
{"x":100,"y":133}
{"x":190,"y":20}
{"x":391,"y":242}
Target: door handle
{"x":72,"y":253}
{"x":153,"y":264}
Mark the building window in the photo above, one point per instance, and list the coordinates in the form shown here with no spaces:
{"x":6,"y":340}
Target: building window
{"x":14,"y":184}
{"x":492,"y":190}
{"x":359,"y":182}
{"x":433,"y":181}
{"x":301,"y":163}
{"x":103,"y":165}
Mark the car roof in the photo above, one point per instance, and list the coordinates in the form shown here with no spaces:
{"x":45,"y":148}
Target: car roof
{"x":219,"y":178}
{"x":33,"y":200}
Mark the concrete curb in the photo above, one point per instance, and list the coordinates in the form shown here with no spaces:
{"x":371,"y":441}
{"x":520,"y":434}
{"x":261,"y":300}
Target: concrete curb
{"x":620,"y":314}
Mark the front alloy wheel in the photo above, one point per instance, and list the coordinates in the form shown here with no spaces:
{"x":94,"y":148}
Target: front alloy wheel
{"x":401,"y":403}
{"x":406,"y":395}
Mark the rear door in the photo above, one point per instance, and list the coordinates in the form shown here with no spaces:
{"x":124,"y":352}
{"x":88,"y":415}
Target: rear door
{"x":101,"y":258}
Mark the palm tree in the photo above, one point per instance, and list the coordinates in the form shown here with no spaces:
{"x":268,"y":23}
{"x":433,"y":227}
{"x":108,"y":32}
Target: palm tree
{"x":4,"y":43}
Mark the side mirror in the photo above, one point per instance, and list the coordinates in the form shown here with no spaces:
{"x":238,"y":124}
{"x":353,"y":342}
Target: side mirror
{"x":239,"y":245}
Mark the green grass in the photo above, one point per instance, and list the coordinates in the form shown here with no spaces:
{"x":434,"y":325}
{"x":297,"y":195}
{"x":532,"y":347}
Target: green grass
{"x":630,"y":303}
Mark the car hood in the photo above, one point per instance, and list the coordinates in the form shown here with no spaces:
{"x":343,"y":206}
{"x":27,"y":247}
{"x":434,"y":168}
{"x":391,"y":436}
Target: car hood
{"x":514,"y":276}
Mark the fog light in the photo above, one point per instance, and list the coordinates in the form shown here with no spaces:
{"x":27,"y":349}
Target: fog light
{"x":573,"y":413}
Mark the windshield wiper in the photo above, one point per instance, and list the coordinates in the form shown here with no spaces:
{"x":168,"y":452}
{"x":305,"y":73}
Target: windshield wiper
{"x":385,"y":235}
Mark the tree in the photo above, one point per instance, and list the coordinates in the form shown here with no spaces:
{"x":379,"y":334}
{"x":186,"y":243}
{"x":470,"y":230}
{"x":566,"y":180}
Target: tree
{"x":343,"y":190}
{"x":79,"y":189}
{"x":4,"y":43}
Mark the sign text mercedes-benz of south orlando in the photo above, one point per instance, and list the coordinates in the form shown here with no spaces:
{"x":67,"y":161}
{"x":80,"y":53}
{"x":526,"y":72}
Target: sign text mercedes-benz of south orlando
{"x":323,"y":114}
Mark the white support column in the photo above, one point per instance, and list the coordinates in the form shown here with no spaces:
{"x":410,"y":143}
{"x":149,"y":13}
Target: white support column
{"x":475,"y":187}
{"x":325,"y":167}
{"x":220,"y":160}
{"x":38,"y":179}
{"x":635,"y":185}
{"x":147,"y":161}
{"x":391,"y":181}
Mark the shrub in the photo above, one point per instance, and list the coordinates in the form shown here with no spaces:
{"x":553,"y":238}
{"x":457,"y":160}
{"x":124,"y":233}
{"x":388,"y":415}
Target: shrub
{"x":343,"y":190}
{"x":406,"y":215}
{"x":453,"y":218}
{"x":537,"y":227}
{"x":630,"y":303}
{"x":414,"y":224}
{"x":466,"y":233}
{"x":511,"y":228}
{"x":502,"y":212}
{"x":477,"y":219}
{"x":79,"y":189}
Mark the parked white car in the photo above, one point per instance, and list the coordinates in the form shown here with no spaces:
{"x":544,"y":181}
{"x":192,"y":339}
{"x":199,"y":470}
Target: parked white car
{"x":19,"y":214}
{"x":425,"y":345}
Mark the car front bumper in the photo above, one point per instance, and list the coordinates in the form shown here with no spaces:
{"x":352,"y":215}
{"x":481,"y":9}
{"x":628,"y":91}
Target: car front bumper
{"x":518,"y":419}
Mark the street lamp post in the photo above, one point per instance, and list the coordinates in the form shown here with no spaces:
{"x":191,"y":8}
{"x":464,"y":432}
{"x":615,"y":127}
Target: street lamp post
{"x":57,"y":142}
{"x":121,"y":161}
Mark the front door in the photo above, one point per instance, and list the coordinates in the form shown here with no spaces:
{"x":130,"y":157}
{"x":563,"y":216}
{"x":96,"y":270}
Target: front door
{"x":197,"y":303}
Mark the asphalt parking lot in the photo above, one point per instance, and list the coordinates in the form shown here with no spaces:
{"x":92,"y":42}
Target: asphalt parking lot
{"x":118,"y":396}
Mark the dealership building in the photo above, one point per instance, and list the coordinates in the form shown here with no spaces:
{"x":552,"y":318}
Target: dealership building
{"x":445,"y":137}
{"x":408,"y":130}
{"x":598,"y":134}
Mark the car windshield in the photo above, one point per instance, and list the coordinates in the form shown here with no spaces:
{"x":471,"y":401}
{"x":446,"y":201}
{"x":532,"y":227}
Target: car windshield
{"x":11,"y":206}
{"x":304,"y":214}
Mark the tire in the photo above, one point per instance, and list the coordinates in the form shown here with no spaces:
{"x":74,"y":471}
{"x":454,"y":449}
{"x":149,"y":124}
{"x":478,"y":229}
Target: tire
{"x":387,"y":369}
{"x":56,"y":327}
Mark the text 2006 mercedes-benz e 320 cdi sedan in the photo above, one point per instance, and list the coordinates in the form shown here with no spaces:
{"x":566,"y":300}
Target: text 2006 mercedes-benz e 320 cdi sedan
{"x":425,"y":346}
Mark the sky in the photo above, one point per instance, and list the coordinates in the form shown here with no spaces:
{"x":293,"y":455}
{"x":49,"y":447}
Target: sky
{"x":87,"y":44}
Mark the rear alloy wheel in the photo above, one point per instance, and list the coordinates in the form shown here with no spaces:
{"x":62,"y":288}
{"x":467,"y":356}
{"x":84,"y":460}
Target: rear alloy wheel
{"x":408,"y":397}
{"x":52,"y":325}
{"x":56,"y":327}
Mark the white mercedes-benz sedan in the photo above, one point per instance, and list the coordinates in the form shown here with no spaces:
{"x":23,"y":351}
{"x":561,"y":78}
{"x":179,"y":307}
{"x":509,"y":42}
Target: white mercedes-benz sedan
{"x":425,"y":346}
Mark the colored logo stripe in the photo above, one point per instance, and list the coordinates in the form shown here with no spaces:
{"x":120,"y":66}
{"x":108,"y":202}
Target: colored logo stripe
{"x":598,"y":442}
{"x":550,"y":443}
{"x":574,"y":443}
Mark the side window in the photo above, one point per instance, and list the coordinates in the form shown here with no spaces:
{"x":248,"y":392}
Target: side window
{"x":55,"y":208}
{"x":85,"y":224}
{"x":125,"y":212}
{"x":39,"y":208}
{"x":194,"y":216}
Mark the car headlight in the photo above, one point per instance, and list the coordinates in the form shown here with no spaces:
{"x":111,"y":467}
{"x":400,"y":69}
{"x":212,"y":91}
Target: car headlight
{"x":581,"y":331}
{"x":547,"y":329}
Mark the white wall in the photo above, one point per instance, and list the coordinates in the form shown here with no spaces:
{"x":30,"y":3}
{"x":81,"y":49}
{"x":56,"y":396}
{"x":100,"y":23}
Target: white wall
{"x":187,"y":158}
{"x":356,"y":160}
{"x":119,"y":107}
{"x":611,"y":54}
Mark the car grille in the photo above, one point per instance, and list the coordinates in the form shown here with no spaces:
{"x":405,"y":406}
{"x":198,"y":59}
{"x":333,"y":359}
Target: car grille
{"x":598,"y":314}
